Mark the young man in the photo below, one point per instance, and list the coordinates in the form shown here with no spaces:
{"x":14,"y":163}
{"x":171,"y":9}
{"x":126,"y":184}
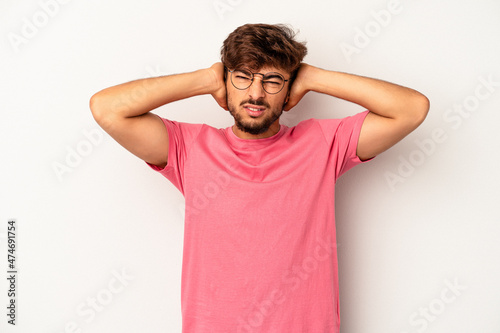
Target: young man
{"x":259,"y":243}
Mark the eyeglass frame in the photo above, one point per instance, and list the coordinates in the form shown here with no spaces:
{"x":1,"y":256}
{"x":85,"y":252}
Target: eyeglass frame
{"x":261,"y":82}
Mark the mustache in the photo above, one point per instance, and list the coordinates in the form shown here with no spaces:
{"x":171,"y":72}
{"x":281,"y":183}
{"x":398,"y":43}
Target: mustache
{"x":259,"y":102}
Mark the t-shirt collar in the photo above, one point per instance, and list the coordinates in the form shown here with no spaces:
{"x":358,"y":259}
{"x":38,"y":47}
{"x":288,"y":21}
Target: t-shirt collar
{"x":238,"y":142}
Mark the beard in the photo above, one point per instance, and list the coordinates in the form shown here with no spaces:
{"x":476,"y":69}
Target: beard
{"x":256,"y":125}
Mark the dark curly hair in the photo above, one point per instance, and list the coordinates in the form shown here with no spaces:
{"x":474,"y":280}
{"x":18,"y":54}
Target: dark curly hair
{"x":254,"y":46}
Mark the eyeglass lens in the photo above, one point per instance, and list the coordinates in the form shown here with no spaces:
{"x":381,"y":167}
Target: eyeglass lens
{"x":271,"y":82}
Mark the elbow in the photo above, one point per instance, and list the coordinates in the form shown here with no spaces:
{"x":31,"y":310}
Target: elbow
{"x":95,"y":105}
{"x":421,"y":106}
{"x":103,"y":111}
{"x":424,"y":107}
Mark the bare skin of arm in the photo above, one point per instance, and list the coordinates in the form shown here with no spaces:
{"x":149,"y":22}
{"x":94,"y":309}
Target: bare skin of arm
{"x":123,"y":111}
{"x":395,"y":111}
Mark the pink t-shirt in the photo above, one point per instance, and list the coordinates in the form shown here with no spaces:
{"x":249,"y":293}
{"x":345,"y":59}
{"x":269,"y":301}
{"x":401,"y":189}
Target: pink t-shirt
{"x":259,"y":237}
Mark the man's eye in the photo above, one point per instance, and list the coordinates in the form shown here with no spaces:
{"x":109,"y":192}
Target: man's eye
{"x":242,"y":77}
{"x":273,"y":79}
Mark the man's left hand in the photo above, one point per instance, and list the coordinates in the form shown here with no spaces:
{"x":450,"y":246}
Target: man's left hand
{"x":299,"y":87}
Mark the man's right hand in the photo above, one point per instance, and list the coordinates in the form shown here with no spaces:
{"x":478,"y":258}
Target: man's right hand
{"x":219,"y":91}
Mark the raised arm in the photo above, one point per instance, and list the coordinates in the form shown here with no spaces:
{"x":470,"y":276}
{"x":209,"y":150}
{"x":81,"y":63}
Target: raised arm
{"x":395,"y":111}
{"x":123,"y":110}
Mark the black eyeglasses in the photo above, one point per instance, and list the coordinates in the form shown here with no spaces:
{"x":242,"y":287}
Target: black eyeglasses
{"x":272,"y":82}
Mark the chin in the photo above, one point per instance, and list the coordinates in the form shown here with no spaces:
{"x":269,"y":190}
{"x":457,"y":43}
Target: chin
{"x":254,"y":124}
{"x":252,"y":129}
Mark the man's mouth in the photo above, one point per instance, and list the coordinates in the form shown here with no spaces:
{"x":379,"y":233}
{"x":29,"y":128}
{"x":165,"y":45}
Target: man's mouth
{"x":254,"y":110}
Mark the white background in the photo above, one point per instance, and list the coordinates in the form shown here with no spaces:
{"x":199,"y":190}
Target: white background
{"x":418,"y":227}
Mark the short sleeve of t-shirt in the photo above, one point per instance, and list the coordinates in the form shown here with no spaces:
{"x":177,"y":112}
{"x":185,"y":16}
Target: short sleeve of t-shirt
{"x":342,"y":137}
{"x":180,"y":138}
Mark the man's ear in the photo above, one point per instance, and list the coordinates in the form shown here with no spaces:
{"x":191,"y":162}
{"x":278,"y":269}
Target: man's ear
{"x":286,"y":98}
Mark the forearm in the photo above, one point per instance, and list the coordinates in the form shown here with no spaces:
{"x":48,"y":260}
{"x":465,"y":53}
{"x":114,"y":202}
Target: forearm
{"x":141,"y":96}
{"x":380,"y":97}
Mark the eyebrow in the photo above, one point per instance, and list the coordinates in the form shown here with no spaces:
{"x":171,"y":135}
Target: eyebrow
{"x":268,"y":75}
{"x":273,"y":75}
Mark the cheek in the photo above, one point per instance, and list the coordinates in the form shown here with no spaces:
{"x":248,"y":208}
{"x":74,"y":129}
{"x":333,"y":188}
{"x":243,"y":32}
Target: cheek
{"x":233,"y":97}
{"x":280,"y":102}
{"x":232,"y":100}
{"x":229,"y":97}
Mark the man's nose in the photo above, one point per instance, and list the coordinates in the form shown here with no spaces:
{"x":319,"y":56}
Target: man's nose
{"x":256,"y":89}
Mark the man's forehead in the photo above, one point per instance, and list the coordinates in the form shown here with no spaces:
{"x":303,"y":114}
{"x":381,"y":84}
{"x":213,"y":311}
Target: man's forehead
{"x":267,"y":69}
